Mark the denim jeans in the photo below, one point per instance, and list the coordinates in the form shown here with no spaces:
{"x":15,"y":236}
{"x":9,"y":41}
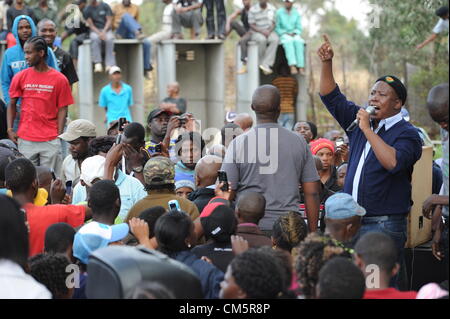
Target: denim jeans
{"x":286,"y":120}
{"x":127,"y":30}
{"x":395,"y":226}
{"x":221,"y":17}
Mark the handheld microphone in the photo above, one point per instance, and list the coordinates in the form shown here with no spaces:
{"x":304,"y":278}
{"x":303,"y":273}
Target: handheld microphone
{"x":370,"y":109}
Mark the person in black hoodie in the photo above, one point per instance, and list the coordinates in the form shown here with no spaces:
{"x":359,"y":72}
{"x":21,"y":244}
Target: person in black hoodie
{"x":205,"y":180}
{"x":219,"y":223}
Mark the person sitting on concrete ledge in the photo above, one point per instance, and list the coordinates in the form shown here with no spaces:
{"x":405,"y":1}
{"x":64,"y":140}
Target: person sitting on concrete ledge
{"x":99,"y":18}
{"x":126,"y":25}
{"x":187,"y":14}
{"x":261,"y":18}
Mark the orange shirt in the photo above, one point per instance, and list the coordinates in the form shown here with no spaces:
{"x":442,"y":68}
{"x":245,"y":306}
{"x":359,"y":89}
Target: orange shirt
{"x":288,"y":87}
{"x":119,"y":10}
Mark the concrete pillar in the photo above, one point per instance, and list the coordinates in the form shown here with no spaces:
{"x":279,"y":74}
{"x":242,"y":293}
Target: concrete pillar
{"x":129,"y":57}
{"x":199,"y":67}
{"x":247,"y":83}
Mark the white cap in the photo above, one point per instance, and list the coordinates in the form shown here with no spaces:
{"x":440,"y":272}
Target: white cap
{"x":92,"y":168}
{"x":114,"y":69}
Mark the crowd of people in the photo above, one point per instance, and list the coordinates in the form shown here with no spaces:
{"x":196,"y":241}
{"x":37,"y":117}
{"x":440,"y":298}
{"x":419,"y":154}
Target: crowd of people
{"x":268,"y":212}
{"x":97,"y":21}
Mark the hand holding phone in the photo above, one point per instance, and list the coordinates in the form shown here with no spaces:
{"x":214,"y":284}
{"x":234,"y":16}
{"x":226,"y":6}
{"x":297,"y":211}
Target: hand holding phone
{"x":340,"y":141}
{"x":69,"y":187}
{"x":174,"y":205}
{"x":122,"y":121}
{"x":223,"y":178}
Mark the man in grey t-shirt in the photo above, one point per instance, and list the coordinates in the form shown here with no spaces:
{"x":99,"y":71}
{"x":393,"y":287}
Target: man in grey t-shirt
{"x":273,"y":161}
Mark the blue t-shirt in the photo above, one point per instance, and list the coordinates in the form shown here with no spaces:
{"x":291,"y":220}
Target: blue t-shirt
{"x":117,"y":104}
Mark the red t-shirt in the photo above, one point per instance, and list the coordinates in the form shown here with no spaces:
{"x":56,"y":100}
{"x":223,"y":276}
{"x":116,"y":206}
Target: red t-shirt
{"x":42,"y":93}
{"x":389,"y":293}
{"x":41,"y":217}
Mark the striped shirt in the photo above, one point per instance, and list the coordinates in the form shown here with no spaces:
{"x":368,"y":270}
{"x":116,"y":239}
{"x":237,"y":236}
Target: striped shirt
{"x":262,"y":18}
{"x":288,"y":91}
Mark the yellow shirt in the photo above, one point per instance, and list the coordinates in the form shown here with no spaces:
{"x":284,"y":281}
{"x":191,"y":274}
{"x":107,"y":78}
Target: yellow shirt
{"x":41,"y":197}
{"x":119,"y":10}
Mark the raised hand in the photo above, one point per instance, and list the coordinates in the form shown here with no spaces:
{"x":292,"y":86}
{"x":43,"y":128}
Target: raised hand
{"x":325,"y":51}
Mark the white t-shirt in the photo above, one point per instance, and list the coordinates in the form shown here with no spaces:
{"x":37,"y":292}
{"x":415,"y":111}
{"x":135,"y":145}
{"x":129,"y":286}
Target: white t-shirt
{"x":167,"y":14}
{"x":16,"y":284}
{"x":441,"y":26}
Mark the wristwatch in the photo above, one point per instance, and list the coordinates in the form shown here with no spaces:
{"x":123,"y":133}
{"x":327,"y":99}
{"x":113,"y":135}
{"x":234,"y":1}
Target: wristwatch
{"x":138,"y":169}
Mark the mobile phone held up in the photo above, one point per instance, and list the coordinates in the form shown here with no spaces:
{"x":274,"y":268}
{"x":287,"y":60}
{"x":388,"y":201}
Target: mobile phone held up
{"x":340,"y":141}
{"x":122,"y":121}
{"x":69,"y":187}
{"x":174,"y":205}
{"x":223,"y":178}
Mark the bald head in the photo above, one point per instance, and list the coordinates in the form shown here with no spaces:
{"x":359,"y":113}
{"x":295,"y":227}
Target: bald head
{"x":437,"y":103}
{"x":217,"y":150}
{"x":206,"y":170}
{"x":244,"y":120}
{"x":251,"y":207}
{"x":173,"y":89}
{"x":266,"y":102}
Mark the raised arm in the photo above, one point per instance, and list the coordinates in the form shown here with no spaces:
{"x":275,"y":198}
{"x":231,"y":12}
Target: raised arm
{"x":430,"y":39}
{"x":326,"y":54}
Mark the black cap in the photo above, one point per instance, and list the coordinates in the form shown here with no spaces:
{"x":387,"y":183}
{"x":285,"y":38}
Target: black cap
{"x":220,"y":224}
{"x":156,"y":113}
{"x":397,"y":85}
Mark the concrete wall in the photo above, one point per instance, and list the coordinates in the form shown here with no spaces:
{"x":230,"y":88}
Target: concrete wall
{"x":129,"y":58}
{"x":201,"y":76}
{"x":247,"y":83}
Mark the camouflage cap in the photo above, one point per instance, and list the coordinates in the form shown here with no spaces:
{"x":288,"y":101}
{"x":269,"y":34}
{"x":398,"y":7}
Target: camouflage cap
{"x":159,"y":170}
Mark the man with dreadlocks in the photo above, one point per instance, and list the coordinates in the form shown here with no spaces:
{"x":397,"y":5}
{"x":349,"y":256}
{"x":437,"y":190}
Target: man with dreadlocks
{"x":45,"y":95}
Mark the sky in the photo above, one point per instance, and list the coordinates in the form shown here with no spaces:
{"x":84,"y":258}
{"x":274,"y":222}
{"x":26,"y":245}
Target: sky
{"x":356,"y":9}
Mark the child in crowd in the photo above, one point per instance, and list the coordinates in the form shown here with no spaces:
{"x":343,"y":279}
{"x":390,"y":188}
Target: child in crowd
{"x":378,"y":250}
{"x":253,"y":275}
{"x":339,"y":278}
{"x":59,"y":239}
{"x":312,"y":254}
{"x":51,"y":271}
{"x":218,"y":223}
{"x":175,"y":236}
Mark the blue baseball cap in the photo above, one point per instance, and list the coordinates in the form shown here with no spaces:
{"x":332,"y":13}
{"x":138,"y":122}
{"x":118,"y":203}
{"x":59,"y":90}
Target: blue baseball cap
{"x":341,"y":206}
{"x":94,"y":235}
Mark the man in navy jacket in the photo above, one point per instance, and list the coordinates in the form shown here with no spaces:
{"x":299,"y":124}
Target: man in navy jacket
{"x":383,"y":151}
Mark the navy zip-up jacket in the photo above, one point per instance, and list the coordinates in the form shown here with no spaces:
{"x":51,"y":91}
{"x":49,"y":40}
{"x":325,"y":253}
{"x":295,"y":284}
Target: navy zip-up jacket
{"x":381,"y":192}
